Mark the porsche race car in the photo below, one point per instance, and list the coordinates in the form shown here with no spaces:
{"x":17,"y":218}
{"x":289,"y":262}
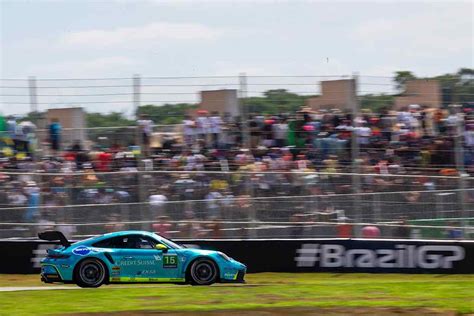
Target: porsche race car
{"x":134,"y":256}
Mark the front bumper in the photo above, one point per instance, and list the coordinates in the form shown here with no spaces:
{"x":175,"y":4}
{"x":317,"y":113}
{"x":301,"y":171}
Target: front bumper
{"x":236,"y":278}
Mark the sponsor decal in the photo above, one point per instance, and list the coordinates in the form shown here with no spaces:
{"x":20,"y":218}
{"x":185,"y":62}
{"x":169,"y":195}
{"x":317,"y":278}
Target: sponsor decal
{"x":136,"y":263}
{"x":230,"y":275}
{"x":402,"y":256}
{"x":157,"y":257}
{"x":65,"y":266}
{"x":146,"y":272}
{"x":82,"y":251}
{"x":115,"y":268}
{"x":170,"y":261}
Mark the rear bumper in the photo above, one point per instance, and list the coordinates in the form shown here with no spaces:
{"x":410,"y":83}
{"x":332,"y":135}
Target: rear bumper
{"x":50,"y":274}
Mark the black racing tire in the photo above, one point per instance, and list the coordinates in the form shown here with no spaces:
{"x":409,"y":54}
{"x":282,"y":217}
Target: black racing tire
{"x":90,"y":272}
{"x":203,"y":271}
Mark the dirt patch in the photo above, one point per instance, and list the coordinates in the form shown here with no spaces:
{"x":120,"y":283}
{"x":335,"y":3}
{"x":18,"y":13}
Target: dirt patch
{"x":336,"y":311}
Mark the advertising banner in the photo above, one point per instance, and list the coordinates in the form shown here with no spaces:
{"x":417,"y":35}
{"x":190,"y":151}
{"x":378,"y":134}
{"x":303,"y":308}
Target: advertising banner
{"x":299,"y":255}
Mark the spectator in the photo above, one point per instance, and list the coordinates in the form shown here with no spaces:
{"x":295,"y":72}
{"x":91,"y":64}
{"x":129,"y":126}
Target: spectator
{"x":55,"y":135}
{"x":189,"y":130}
{"x":158,"y":205}
{"x":145,"y":126}
{"x":203,"y":126}
{"x":344,"y":228}
{"x":402,"y":230}
{"x":163,"y":226}
{"x":454,"y":232}
{"x":215,"y":123}
{"x":370,"y":231}
{"x":33,"y":194}
{"x":280,"y":133}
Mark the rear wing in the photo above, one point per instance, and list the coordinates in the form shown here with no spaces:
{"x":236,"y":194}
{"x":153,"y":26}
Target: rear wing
{"x":54,"y":235}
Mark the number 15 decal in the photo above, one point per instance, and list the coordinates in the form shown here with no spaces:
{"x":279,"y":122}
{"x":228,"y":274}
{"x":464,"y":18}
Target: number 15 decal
{"x":170,"y":261}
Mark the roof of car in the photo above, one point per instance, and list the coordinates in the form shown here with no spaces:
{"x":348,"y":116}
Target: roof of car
{"x":115,"y":234}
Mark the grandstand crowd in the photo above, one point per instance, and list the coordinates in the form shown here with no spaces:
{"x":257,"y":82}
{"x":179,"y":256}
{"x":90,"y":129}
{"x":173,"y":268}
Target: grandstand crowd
{"x":279,"y":151}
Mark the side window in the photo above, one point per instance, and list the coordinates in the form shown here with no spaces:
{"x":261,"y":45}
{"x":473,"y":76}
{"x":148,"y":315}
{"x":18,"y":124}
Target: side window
{"x":140,"y":242}
{"x":115,"y":242}
{"x":127,"y":242}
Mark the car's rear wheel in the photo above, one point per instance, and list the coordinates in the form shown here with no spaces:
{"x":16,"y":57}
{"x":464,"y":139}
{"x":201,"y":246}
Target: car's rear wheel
{"x":90,"y":273}
{"x":203,"y":272}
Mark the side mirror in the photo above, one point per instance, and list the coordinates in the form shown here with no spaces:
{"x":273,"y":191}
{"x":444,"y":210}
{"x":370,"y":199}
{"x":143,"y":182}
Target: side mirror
{"x":161,"y":247}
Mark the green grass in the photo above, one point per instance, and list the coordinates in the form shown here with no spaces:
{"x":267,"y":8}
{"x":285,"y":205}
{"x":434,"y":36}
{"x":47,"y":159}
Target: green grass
{"x":264,"y":290}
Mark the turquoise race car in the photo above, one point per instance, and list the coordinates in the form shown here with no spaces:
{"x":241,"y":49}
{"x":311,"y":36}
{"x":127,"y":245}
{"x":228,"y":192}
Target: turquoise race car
{"x":134,"y":256}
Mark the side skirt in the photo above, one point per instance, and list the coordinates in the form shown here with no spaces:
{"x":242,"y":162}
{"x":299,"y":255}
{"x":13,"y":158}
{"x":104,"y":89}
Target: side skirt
{"x":145,"y":280}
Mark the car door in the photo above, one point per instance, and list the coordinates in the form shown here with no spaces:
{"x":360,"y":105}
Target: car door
{"x":135,"y":257}
{"x":171,"y":265}
{"x":138,"y":259}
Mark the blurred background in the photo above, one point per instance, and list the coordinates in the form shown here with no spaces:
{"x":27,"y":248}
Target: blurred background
{"x":361,"y":129}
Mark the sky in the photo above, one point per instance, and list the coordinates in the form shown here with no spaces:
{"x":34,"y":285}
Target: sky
{"x":153,"y":38}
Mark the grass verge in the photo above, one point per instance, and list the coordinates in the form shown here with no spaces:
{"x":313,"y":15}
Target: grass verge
{"x":453,"y":293}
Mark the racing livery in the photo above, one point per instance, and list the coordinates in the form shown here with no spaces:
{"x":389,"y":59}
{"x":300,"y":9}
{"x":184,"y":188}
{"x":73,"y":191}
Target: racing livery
{"x":134,"y":256}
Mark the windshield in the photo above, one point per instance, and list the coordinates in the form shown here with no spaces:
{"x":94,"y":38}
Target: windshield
{"x":168,"y":242}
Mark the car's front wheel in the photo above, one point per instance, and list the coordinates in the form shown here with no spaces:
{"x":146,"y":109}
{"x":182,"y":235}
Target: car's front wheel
{"x":90,"y":273}
{"x":203,"y":272}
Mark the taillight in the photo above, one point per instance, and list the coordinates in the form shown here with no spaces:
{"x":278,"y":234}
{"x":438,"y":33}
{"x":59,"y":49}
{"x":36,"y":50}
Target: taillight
{"x":57,"y":256}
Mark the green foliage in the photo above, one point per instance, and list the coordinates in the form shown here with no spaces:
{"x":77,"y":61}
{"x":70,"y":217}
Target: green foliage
{"x":107,"y":120}
{"x":376,"y":102}
{"x":278,"y":293}
{"x":458,"y":87}
{"x":401,"y":77}
{"x":275,"y":102}
{"x":167,"y":113}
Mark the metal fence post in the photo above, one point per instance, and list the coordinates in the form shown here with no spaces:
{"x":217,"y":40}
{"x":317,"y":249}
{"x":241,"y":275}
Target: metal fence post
{"x":463,"y":200}
{"x":33,"y":95}
{"x":136,"y":92}
{"x":244,"y":124}
{"x":355,"y":150}
{"x":459,"y":156}
{"x":136,"y":104}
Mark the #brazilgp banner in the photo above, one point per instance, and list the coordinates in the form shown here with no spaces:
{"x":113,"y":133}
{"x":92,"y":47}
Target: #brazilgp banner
{"x":300,"y":255}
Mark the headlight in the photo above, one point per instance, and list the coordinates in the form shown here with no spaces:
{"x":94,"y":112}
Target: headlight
{"x":224,"y":256}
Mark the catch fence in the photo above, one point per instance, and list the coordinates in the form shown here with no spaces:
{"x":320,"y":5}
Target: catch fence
{"x":237,"y":204}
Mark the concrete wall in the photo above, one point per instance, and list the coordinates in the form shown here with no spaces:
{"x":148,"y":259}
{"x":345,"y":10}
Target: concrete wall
{"x":221,"y":101}
{"x":73,"y":122}
{"x":422,"y":92}
{"x":335,"y":94}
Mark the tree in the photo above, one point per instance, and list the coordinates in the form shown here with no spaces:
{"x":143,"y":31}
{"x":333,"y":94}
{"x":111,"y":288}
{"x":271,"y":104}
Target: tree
{"x":167,"y":113}
{"x":457,"y":87}
{"x":401,"y":77}
{"x":275,"y":101}
{"x":377,"y":103}
{"x":107,"y":120}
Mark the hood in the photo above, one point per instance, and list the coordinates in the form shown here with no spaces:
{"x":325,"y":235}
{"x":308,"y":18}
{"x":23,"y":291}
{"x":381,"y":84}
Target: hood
{"x":201,"y":251}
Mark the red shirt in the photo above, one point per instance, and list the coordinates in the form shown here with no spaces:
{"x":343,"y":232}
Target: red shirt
{"x":104,"y":160}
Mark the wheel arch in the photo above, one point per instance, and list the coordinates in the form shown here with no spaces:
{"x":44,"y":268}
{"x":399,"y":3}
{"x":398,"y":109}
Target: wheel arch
{"x":187,"y":273}
{"x":107,"y":268}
